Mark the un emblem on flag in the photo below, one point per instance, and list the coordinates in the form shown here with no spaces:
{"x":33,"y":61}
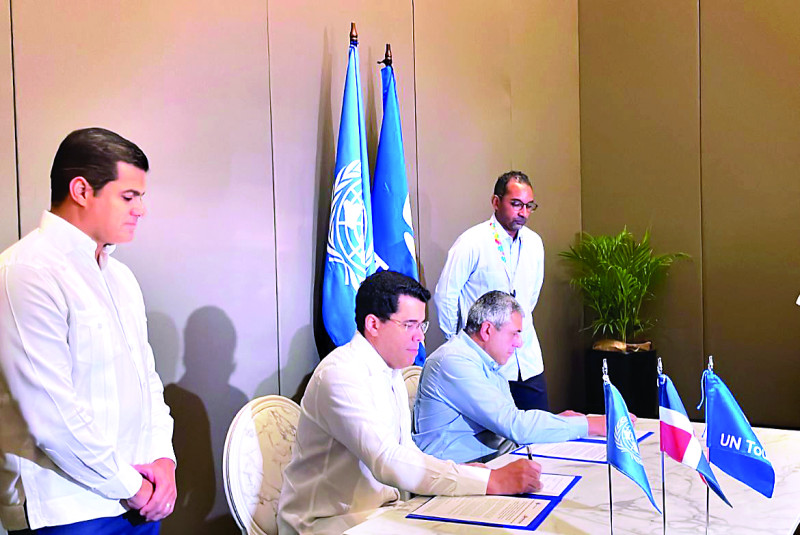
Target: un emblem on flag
{"x":346,"y":233}
{"x":625,"y":439}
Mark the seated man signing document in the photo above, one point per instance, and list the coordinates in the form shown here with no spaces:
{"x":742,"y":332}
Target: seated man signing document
{"x":462,"y":394}
{"x":354,"y":450}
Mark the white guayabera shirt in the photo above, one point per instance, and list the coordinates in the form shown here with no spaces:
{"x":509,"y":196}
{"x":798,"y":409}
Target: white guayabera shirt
{"x":354,"y":448}
{"x":80,"y":400}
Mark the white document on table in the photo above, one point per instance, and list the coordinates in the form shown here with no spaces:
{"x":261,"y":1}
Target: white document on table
{"x":497,"y":510}
{"x":573,"y":450}
{"x":555,"y":485}
{"x":592,"y":450}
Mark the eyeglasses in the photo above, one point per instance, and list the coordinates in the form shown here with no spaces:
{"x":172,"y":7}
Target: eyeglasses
{"x":519,"y":205}
{"x":412,"y":325}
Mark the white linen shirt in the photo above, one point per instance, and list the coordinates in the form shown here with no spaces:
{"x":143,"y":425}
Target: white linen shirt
{"x":80,"y":400}
{"x":475,"y":266}
{"x":353,"y":449}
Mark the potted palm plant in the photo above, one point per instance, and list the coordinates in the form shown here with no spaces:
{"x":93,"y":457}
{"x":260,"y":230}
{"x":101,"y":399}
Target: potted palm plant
{"x":615,"y":276}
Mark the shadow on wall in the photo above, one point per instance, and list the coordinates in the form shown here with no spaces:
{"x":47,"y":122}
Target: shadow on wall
{"x":203,"y":405}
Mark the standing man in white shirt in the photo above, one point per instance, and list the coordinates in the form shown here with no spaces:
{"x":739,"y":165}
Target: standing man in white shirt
{"x":86,"y":438}
{"x":500,"y":254}
{"x":353,"y":452}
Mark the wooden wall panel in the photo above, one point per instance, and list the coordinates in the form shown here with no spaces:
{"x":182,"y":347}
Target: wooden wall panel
{"x":751,"y":194}
{"x":188,"y":81}
{"x":545,"y":131}
{"x":308,"y":62}
{"x":640,"y":152}
{"x":8,"y":159}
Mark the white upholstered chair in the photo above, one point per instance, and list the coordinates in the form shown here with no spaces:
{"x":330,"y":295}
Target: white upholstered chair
{"x":411,"y":378}
{"x":257,"y":448}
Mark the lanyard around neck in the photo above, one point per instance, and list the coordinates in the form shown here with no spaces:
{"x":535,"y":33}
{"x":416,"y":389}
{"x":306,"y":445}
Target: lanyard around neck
{"x":504,"y":258}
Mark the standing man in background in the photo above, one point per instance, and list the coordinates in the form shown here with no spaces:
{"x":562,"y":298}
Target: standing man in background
{"x":500,"y":254}
{"x":86,"y":438}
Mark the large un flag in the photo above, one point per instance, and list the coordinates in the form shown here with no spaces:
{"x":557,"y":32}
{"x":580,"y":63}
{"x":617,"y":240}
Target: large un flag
{"x":350,"y":255}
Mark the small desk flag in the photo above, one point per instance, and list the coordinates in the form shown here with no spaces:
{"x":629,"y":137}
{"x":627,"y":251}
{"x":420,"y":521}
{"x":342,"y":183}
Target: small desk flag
{"x":391,"y":209}
{"x":677,"y":434}
{"x":622,"y":449}
{"x":732,"y":445}
{"x":350,"y":256}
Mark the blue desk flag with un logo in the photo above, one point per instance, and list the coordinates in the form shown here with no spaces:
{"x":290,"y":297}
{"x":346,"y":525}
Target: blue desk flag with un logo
{"x":732,"y":445}
{"x":391,"y":209}
{"x":350,"y":256}
{"x":622,"y":449}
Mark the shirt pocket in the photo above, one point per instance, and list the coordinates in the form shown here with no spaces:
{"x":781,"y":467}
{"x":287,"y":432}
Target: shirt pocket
{"x":93,"y":337}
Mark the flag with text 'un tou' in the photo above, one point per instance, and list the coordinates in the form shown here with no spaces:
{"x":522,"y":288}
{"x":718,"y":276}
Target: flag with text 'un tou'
{"x":622,"y":449}
{"x":677,"y":435}
{"x":732,"y":445}
{"x":350,"y":256}
{"x":391,"y":209}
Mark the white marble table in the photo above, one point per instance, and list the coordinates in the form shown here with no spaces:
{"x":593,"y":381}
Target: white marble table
{"x":584,"y":510}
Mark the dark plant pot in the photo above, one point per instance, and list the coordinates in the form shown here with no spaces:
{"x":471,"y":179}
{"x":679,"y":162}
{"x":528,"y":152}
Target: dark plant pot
{"x":634,"y":375}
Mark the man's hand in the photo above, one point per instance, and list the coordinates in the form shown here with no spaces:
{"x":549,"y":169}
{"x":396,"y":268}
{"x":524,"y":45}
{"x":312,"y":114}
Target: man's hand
{"x":161,"y":473}
{"x":516,"y":478}
{"x":632,"y":417}
{"x":140,"y":499}
{"x":571,"y":413}
{"x":597,"y":425}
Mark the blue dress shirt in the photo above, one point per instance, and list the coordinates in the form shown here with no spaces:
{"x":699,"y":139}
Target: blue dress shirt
{"x":462,"y":393}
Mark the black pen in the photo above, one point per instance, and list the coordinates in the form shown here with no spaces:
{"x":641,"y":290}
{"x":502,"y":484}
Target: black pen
{"x":528,"y":449}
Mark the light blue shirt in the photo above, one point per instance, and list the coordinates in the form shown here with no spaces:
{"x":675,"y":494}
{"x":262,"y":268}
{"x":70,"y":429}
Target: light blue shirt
{"x":461,"y":393}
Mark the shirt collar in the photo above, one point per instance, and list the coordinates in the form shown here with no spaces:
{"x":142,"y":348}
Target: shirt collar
{"x":67,"y":237}
{"x":370,"y":356}
{"x":504,"y":235}
{"x":487,"y":361}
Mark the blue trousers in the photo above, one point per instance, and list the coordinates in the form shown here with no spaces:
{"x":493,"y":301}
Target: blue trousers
{"x":530,"y":394}
{"x":131,"y":523}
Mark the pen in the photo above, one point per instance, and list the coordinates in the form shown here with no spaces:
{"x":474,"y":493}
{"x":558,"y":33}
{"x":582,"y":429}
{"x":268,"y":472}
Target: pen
{"x":528,"y":449}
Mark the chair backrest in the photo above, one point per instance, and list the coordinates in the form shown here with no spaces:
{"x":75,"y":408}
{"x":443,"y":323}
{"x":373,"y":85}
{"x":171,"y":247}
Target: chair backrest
{"x":257,"y":448}
{"x":411,"y":378}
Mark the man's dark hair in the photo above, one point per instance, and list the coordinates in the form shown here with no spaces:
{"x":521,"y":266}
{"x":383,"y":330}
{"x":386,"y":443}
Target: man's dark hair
{"x":379,"y":293}
{"x":92,"y":153}
{"x":501,"y":186}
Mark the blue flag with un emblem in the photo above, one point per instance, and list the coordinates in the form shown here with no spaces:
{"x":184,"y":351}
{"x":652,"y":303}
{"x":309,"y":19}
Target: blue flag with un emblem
{"x":391,"y":209}
{"x":732,"y":445}
{"x":622,"y":449}
{"x":350,"y":256}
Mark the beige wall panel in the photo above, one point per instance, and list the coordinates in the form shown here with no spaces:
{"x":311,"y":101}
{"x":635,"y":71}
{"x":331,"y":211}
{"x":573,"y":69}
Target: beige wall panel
{"x":188,"y":81}
{"x":751,"y":195}
{"x":640,"y":152}
{"x":308,"y":62}
{"x":464,"y":77}
{"x":545,"y":127}
{"x":8,"y":160}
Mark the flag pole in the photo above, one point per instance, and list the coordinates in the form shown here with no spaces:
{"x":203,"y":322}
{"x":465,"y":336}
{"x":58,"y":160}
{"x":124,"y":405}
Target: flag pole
{"x":387,"y":57}
{"x":608,"y":463}
{"x":708,"y":500}
{"x":353,"y":34}
{"x":663,"y":479}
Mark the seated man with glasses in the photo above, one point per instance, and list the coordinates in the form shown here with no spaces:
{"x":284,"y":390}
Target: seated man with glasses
{"x":501,"y":254}
{"x":354,"y":451}
{"x":464,"y":410}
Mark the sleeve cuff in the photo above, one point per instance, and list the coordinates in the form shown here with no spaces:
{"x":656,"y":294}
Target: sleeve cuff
{"x":123,"y":486}
{"x":473,"y":480}
{"x":579,"y":427}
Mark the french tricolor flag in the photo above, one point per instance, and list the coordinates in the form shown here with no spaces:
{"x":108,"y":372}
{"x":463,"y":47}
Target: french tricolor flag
{"x":677,"y":435}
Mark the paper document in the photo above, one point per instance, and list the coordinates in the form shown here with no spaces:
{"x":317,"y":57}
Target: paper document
{"x":591,"y":450}
{"x":502,"y":510}
{"x":573,"y":450}
{"x":555,"y":485}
